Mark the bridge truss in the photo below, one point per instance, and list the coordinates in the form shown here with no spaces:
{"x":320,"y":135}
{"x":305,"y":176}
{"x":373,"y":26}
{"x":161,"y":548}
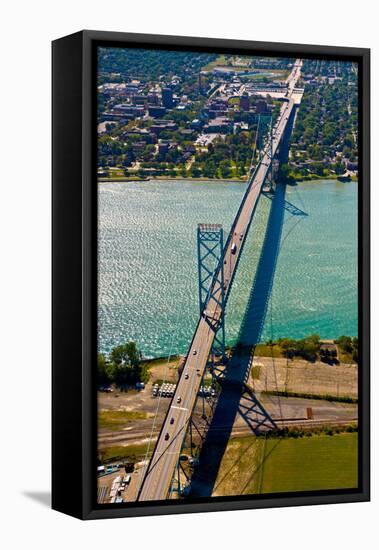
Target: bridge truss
{"x":210,"y":251}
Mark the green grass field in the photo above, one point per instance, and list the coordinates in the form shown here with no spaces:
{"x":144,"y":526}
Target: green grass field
{"x":268,"y":351}
{"x":114,"y":420}
{"x":256,"y":465}
{"x":119,"y":453}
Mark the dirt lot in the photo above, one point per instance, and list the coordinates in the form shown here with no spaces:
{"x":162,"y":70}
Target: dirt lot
{"x":132,"y":430}
{"x":144,"y":414}
{"x":304,"y":377}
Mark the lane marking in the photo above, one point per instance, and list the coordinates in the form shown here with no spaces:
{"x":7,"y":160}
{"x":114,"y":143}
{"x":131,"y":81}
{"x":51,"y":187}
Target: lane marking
{"x":180,"y":408}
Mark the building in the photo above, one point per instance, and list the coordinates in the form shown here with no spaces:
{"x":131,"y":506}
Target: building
{"x":167,"y":98}
{"x":218,"y":125}
{"x":141,"y":133}
{"x":140,"y":99}
{"x":187,"y":133}
{"x":196,"y":124}
{"x":126,"y":109}
{"x":163,"y":147}
{"x":218,"y":104}
{"x":153,"y":98}
{"x":163,"y":125}
{"x":244,"y":102}
{"x":261,"y":107}
{"x":156,"y":111}
{"x":138,"y":147}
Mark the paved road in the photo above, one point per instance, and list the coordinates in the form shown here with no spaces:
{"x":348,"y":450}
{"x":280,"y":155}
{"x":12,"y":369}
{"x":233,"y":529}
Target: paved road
{"x":157,"y":479}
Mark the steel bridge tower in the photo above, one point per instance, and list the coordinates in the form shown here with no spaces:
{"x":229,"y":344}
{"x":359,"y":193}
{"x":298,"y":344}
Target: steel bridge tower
{"x":210,"y":252}
{"x":269,"y":183}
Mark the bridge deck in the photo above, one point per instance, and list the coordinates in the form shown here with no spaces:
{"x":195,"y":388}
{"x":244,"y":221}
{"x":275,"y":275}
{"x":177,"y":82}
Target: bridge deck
{"x":160,"y":471}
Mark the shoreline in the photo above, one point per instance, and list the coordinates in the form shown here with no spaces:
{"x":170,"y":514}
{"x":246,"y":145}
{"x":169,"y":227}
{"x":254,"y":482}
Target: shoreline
{"x":176,"y":356}
{"x":129,"y":180}
{"x":312,"y":179}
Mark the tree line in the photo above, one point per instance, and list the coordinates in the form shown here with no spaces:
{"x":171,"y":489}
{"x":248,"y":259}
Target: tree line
{"x":123,"y":367}
{"x":310,"y":348}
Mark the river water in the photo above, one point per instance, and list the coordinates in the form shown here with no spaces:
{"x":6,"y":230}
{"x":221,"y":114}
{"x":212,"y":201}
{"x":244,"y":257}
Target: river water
{"x":299,"y":278}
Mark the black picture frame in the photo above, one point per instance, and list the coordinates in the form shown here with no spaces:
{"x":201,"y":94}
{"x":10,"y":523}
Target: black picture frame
{"x":74,"y":273}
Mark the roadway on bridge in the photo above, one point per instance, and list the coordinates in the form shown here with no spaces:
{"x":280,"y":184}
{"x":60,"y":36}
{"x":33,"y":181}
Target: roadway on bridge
{"x":158,"y":475}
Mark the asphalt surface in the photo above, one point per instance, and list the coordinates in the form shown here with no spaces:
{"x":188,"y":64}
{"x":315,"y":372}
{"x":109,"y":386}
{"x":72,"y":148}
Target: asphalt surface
{"x":157,"y":479}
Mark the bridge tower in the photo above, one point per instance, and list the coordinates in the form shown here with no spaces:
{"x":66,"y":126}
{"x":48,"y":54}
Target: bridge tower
{"x":270,"y":177}
{"x":210,"y":251}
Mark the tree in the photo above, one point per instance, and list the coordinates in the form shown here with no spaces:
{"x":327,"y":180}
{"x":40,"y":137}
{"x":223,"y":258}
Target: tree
{"x":125,"y":364}
{"x":339,"y":168}
{"x":284,"y":174}
{"x":345,"y":344}
{"x":288,"y":347}
{"x":126,"y":353}
{"x":354,"y":343}
{"x":103,"y":374}
{"x":225,"y":169}
{"x":195,"y":171}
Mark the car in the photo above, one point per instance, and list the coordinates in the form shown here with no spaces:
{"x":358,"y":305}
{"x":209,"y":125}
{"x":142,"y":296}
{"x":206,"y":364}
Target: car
{"x":186,"y":376}
{"x":194,"y":352}
{"x":172,"y":420}
{"x":106,"y":389}
{"x":179,"y":399}
{"x":167,"y":436}
{"x":233,"y":248}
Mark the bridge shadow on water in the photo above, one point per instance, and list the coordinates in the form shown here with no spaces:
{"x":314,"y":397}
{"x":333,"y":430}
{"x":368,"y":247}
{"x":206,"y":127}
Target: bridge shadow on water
{"x":235,"y":396}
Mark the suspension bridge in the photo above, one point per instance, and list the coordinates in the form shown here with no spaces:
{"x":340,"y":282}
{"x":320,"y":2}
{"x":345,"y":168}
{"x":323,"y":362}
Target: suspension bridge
{"x":214,"y":287}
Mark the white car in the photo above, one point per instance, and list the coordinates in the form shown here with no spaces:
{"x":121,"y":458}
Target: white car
{"x":179,"y":399}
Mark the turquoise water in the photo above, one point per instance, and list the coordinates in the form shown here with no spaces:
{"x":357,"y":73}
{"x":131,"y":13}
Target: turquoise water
{"x":303,"y":274}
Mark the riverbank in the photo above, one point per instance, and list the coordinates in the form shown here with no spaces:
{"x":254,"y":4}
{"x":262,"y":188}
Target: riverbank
{"x":314,"y":177}
{"x":121,"y":179}
{"x":303,"y":179}
{"x":284,"y":348}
